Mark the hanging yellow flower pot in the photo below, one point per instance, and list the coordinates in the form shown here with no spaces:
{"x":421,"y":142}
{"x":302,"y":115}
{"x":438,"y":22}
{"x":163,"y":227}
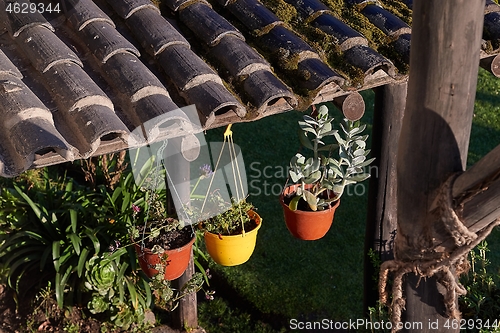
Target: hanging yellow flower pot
{"x":235,"y":249}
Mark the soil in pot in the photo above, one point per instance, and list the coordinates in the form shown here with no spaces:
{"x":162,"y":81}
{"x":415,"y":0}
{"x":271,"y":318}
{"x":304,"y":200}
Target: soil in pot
{"x":169,"y":240}
{"x":249,"y":226}
{"x":177,"y":245}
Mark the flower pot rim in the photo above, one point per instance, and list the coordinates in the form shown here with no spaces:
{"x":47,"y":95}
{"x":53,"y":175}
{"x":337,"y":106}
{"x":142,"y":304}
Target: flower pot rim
{"x":299,"y":211}
{"x":254,"y":230}
{"x":177,"y":249}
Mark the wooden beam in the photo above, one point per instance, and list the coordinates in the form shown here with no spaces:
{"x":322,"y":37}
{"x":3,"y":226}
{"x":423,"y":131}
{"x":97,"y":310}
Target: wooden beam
{"x":491,"y":64}
{"x":477,"y":191}
{"x":476,"y":194}
{"x":481,"y":173}
{"x":178,"y":168}
{"x":381,"y":221}
{"x":352,"y":105}
{"x":444,"y":61}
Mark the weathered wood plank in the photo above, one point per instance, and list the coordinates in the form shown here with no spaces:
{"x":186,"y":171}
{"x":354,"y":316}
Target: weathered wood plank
{"x":483,"y":208}
{"x":178,"y":168}
{"x":485,"y":169}
{"x":381,"y":222}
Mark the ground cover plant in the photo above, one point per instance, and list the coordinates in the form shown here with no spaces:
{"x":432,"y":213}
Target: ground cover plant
{"x":66,"y":256}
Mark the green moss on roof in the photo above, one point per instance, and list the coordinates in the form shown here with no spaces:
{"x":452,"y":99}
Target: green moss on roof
{"x":325,"y":44}
{"x":285,"y":12}
{"x":399,"y":9}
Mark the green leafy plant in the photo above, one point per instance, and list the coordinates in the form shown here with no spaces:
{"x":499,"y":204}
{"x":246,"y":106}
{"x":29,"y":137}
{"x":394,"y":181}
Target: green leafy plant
{"x":332,"y":166}
{"x":54,"y":234}
{"x":233,"y":218}
{"x":109,"y":284}
{"x":482,"y":301}
{"x":65,"y":233}
{"x":136,"y":203}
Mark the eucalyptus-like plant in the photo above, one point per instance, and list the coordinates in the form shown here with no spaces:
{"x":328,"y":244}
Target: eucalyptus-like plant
{"x":332,"y":166}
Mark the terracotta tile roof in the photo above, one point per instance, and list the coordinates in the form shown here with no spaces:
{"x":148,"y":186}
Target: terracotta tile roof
{"x":76,"y":83}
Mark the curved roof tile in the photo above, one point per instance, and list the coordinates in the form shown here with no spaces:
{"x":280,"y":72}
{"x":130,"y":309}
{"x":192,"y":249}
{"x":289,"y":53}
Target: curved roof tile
{"x":79,"y":82}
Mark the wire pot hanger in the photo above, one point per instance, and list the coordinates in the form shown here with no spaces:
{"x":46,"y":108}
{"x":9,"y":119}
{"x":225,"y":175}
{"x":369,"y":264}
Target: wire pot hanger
{"x":239,"y":189}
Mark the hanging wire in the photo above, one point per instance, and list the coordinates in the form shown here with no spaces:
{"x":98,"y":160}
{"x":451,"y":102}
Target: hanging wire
{"x":228,"y":138}
{"x":185,"y":215}
{"x":237,"y":168}
{"x":212,"y":178}
{"x":236,"y":171}
{"x":156,"y":178}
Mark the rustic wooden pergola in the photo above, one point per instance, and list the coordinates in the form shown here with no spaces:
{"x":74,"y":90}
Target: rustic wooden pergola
{"x":414,"y":181}
{"x":419,"y":219}
{"x":430,"y":116}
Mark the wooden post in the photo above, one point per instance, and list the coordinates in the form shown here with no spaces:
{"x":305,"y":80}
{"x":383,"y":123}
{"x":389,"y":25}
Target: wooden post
{"x":390,"y":101}
{"x":178,"y":167}
{"x":444,"y":61}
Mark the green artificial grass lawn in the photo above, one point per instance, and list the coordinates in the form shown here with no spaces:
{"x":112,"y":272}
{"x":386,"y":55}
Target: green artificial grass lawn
{"x":310,"y":280}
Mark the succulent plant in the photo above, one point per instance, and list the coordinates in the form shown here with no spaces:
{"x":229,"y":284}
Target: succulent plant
{"x":331,"y":166}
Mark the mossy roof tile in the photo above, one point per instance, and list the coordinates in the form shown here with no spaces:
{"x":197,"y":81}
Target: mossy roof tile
{"x":90,"y":75}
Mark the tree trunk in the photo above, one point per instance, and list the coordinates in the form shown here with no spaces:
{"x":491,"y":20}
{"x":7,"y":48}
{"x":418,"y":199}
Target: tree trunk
{"x":444,"y":61}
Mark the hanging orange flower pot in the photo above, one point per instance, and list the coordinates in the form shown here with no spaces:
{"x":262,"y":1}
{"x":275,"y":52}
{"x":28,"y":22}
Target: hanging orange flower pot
{"x":307,"y":225}
{"x":174,"y":261}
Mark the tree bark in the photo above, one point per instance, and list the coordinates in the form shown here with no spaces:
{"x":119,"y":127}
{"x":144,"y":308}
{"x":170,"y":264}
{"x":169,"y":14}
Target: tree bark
{"x":444,"y":61}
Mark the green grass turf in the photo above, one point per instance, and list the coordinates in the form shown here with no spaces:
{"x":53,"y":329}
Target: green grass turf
{"x":289,"y":278}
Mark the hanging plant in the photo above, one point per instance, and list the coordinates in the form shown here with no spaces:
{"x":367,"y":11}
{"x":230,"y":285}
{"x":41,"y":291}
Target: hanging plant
{"x":230,"y":226}
{"x":320,"y":179}
{"x":157,"y":237}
